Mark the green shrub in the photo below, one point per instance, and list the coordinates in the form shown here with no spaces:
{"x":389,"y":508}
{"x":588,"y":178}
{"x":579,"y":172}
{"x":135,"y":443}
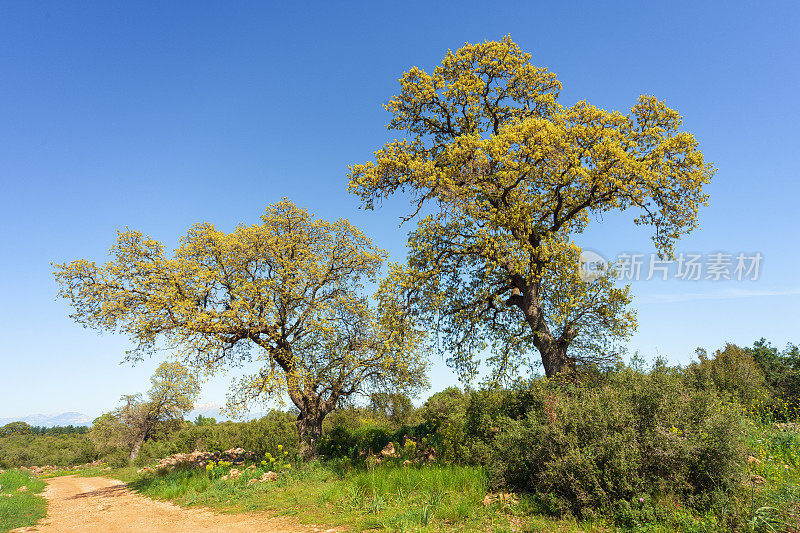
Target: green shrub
{"x":372,"y":439}
{"x":338,"y":443}
{"x":733,"y":372}
{"x":40,"y":450}
{"x":352,"y":418}
{"x":609,"y":447}
{"x":460,"y":424}
{"x":395,"y":408}
{"x":260,"y":436}
{"x":201,"y":420}
{"x":341,"y":443}
{"x":449,"y":405}
{"x":16,"y":428}
{"x":782,"y":374}
{"x":65,"y":448}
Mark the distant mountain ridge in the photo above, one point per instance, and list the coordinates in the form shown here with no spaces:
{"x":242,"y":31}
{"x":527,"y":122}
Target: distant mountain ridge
{"x":211,"y":410}
{"x":63,"y":419}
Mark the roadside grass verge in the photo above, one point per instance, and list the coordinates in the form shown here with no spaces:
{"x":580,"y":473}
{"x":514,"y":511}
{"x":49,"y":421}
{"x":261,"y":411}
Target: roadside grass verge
{"x":383,"y":498}
{"x":772,"y":503}
{"x":19,"y":508}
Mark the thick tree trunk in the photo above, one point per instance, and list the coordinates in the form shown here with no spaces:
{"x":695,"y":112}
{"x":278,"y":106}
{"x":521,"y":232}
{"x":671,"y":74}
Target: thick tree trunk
{"x":555,"y":360}
{"x":136,"y":447}
{"x":309,"y":428}
{"x":553,"y":350}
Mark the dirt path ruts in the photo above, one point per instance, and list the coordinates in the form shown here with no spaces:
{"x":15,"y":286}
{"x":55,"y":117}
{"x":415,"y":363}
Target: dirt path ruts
{"x":101,"y":504}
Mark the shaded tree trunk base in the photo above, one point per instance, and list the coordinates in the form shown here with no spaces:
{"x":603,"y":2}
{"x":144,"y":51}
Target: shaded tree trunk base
{"x":309,"y":429}
{"x":556,"y":362}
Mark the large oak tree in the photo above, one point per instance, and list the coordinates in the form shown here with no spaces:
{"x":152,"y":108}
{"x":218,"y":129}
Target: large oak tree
{"x":502,"y":177}
{"x":287,"y":293}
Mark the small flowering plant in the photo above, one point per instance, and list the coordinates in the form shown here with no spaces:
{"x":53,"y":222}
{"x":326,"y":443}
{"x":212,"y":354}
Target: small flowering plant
{"x":270,"y":463}
{"x":216,"y":469}
{"x":276,"y":463}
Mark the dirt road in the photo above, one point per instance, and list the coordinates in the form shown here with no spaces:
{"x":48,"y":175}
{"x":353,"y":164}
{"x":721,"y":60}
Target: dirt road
{"x":101,"y":504}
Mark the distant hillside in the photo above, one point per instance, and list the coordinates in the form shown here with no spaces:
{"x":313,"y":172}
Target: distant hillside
{"x":63,"y":419}
{"x":213,"y":410}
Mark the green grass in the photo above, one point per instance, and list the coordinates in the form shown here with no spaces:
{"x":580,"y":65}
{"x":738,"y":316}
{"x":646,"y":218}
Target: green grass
{"x":774,"y":505}
{"x":384,"y":498}
{"x":20,"y":508}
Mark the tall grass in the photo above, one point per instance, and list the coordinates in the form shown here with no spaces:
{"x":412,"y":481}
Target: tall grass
{"x":386,"y":497}
{"x":774,"y":503}
{"x":20,"y":508}
{"x":410,"y":498}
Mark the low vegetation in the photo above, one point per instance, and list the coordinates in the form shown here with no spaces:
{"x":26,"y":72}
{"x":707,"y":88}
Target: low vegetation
{"x":383,"y":497}
{"x":695,"y":448}
{"x":772,"y":501}
{"x":20,"y":502}
{"x":440,"y":497}
{"x":57,"y":450}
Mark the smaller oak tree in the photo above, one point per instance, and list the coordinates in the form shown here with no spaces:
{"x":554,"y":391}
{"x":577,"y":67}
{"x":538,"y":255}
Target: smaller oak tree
{"x":172,"y":395}
{"x":286,"y":293}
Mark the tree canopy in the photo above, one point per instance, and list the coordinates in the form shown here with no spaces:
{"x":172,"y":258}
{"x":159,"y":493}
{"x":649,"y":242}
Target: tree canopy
{"x":501,"y":178}
{"x":16,"y":428}
{"x":287,"y":293}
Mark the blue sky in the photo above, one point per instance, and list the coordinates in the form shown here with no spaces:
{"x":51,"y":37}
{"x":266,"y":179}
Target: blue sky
{"x":159,"y":115}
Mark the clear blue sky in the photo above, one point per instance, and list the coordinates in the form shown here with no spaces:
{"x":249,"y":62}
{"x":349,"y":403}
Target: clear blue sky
{"x":159,"y":115}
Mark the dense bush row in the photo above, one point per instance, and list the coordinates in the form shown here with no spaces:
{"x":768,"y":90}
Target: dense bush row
{"x":22,"y":428}
{"x":612,"y":442}
{"x":57,"y":450}
{"x":607,"y":447}
{"x":260,"y":435}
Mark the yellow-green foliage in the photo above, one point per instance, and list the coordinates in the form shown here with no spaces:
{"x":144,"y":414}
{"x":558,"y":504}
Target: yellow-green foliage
{"x":509,"y":177}
{"x":353,"y":417}
{"x":287,"y":292}
{"x":733,"y":372}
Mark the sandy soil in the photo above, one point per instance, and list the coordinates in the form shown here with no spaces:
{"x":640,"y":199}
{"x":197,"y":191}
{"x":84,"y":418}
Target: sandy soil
{"x":102,"y":504}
